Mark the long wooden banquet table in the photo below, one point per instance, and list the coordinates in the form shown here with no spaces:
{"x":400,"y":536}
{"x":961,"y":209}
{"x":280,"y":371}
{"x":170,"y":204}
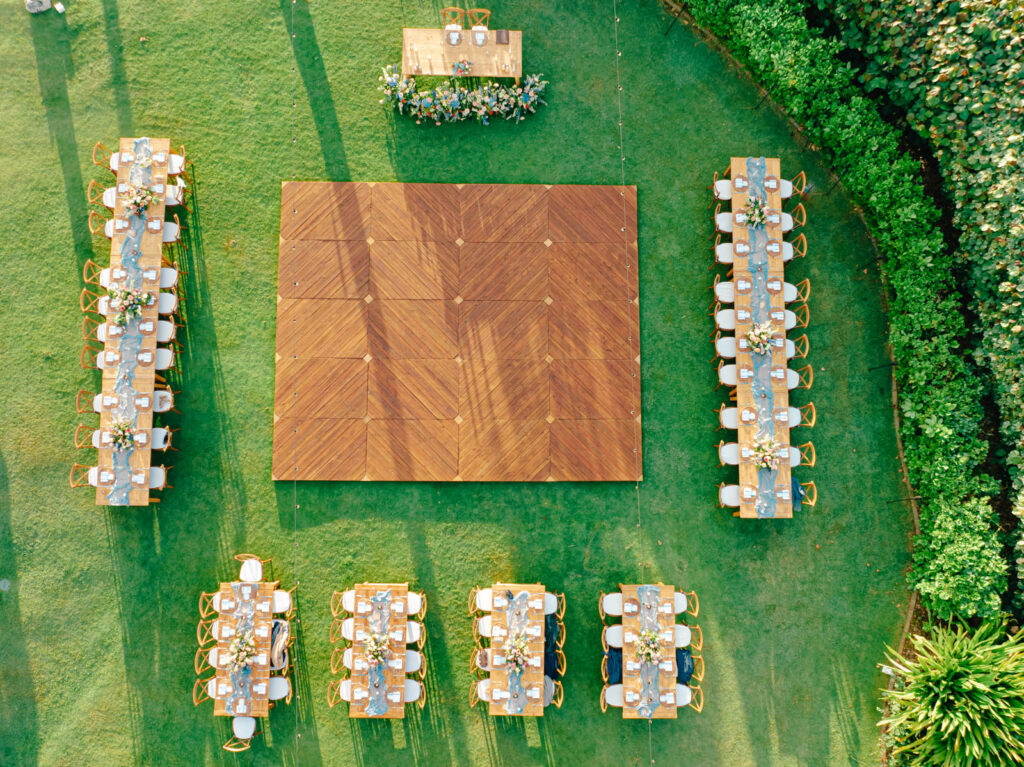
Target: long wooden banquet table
{"x":512,"y":693}
{"x":762,"y":392}
{"x":129,"y":353}
{"x":648,"y":689}
{"x":378,"y":691}
{"x":245,"y":607}
{"x":426,"y":52}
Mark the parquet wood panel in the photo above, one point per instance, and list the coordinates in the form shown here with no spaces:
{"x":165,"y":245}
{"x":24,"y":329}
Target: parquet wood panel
{"x":444,"y":332}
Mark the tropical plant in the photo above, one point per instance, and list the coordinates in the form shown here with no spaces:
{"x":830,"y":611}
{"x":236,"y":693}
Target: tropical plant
{"x":959,"y":698}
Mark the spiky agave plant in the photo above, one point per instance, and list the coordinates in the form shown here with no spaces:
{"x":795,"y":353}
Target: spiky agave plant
{"x":961,"y":702}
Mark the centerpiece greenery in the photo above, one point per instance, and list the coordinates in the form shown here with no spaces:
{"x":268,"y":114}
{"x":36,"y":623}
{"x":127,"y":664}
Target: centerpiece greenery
{"x":122,"y":434}
{"x":648,"y":646}
{"x":759,"y":337}
{"x":517,"y":653}
{"x":377,"y":648}
{"x":766,"y":453}
{"x":755,"y":211}
{"x":128,"y":304}
{"x":138,"y":199}
{"x":448,"y":102}
{"x":241,"y":652}
{"x":461,"y":68}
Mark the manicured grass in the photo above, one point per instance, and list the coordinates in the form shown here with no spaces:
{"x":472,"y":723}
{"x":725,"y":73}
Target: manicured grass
{"x":99,"y":625}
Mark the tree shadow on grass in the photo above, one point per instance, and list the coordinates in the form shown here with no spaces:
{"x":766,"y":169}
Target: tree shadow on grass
{"x":310,"y":63}
{"x":118,"y":76}
{"x":52,"y":44}
{"x":18,"y":719}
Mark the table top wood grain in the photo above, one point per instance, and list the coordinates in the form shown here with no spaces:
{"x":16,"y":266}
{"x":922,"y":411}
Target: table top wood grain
{"x":748,"y":473}
{"x":532,"y":676}
{"x":425,"y":52}
{"x":144,"y":381}
{"x":258,"y":703}
{"x":394,"y":677}
{"x":631,"y":625}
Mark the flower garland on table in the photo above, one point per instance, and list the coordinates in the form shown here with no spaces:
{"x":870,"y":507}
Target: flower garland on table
{"x":128,"y":304}
{"x":648,"y":647}
{"x":242,"y":652}
{"x":122,"y":435}
{"x":765,"y":453}
{"x":517,"y":653}
{"x":138,"y":199}
{"x":760,"y":338}
{"x":756,"y":213}
{"x":449,"y":103}
{"x":377,"y":647}
{"x":461,"y":68}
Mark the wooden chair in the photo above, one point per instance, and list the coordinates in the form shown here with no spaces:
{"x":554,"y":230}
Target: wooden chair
{"x":101,"y":157}
{"x":714,"y":218}
{"x":423,"y":606}
{"x":84,"y":400}
{"x":698,"y":668}
{"x":604,"y":703}
{"x":202,"y":660}
{"x":206,"y":604}
{"x":600,"y":606}
{"x":184,"y":165}
{"x":806,"y":377}
{"x":200,"y":691}
{"x":799,"y":217}
{"x":803,"y":289}
{"x":472,"y":600}
{"x":560,"y":656}
{"x":90,"y":326}
{"x":697,"y":701}
{"x":474,"y":693}
{"x":560,"y":639}
{"x":803,"y":316}
{"x":799,"y":244}
{"x":808,"y":456}
{"x":83,"y":435}
{"x":479,"y":17}
{"x":604,"y":669}
{"x":692,"y":603}
{"x":338,"y":660}
{"x":244,"y":557}
{"x":560,"y":612}
{"x":97,"y":223}
{"x":89,"y":356}
{"x":237,"y":745}
{"x":94,"y":194}
{"x":808,"y":415}
{"x":336,"y":608}
{"x":204,"y":634}
{"x":90,"y":301}
{"x":801,"y":346}
{"x":696,"y":638}
{"x":335,"y":634}
{"x":334,"y":693}
{"x":812,"y":494}
{"x":79,"y":475}
{"x":559,"y":695}
{"x":91,"y":272}
{"x":799,"y":182}
{"x":452,"y":15}
{"x":477,"y":636}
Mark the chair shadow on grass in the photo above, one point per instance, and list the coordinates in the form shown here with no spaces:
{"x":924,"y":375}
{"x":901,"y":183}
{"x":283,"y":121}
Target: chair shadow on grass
{"x":19,"y":728}
{"x":310,"y":63}
{"x":51,"y":40}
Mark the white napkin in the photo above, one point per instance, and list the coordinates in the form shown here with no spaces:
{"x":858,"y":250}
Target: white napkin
{"x":260,"y":631}
{"x":127,"y":157}
{"x":533,"y":631}
{"x":398,"y":635}
{"x":746,"y":373}
{"x":259,"y":689}
{"x":667,"y":635}
{"x":122,"y":188}
{"x":395,"y":697}
{"x":360,"y":664}
{"x":106,"y":476}
{"x":158,"y":188}
{"x":630,"y":636}
{"x":398,"y":607}
{"x":770,"y":183}
{"x":782,"y":415}
{"x":149,"y":274}
{"x":632,"y":665}
{"x":535,"y":661}
{"x":741,"y":247}
{"x":120,"y":224}
{"x":742,"y":314}
{"x":749,"y":492}
{"x":145,"y":356}
{"x":783,"y":494}
{"x":141,"y":438}
{"x":665,"y":608}
{"x":138,"y":478}
{"x":631,"y":696}
{"x":773,"y":218}
{"x":630,"y":607}
{"x":779,"y":314}
{"x":154,"y":225}
{"x":498,"y":601}
{"x":772,"y":247}
{"x":749,"y":415}
{"x":159,"y":157}
{"x":364,"y":607}
{"x":740,"y":183}
{"x":261,"y":659}
{"x":669,"y":697}
{"x":498,"y":631}
{"x":740,"y":217}
{"x":360,"y":635}
{"x":533,"y":692}
{"x":665,"y":665}
{"x":499,"y":694}
{"x":246,"y":591}
{"x":498,"y":659}
{"x":240,"y":706}
{"x":536,"y":604}
{"x":264,"y":606}
{"x":223,"y":689}
{"x":359,"y":694}
{"x":142,"y":402}
{"x":396,"y":663}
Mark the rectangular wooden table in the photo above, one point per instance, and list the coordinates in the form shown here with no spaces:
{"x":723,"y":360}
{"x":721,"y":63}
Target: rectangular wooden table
{"x":149,"y":261}
{"x":533,"y":675}
{"x":394,"y":670}
{"x":425,"y":52}
{"x":256,"y":700}
{"x":632,"y":682}
{"x":748,"y":472}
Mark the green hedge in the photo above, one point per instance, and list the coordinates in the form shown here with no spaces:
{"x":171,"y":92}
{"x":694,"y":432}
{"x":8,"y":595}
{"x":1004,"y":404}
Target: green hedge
{"x":939,"y":389}
{"x":957,"y":68}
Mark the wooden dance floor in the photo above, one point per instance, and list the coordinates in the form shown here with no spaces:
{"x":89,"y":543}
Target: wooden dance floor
{"x":457,"y":332}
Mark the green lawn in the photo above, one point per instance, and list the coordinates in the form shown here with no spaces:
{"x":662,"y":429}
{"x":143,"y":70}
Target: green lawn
{"x":98,"y":627}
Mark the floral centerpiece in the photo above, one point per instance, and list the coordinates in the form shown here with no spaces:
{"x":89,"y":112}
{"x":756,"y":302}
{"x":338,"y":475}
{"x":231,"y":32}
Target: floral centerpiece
{"x":517,"y":653}
{"x":760,"y":338}
{"x":765,"y":453}
{"x":449,"y":102}
{"x":127,"y":304}
{"x":648,"y":647}
{"x":755,"y":212}
{"x":122,"y":434}
{"x":377,"y":647}
{"x":242,"y":652}
{"x":461,"y":68}
{"x":138,"y":199}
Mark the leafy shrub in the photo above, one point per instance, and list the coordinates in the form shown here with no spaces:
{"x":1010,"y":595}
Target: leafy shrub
{"x":960,"y":701}
{"x":957,"y":68}
{"x":939,"y":389}
{"x":958,"y":569}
